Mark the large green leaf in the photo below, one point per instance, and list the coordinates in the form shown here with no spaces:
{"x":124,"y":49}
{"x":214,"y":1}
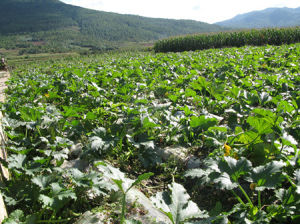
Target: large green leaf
{"x":223,"y":172}
{"x":43,"y":181}
{"x":176,"y":203}
{"x":113,"y":173}
{"x":100,"y":145}
{"x":235,"y":168}
{"x":202,"y":122}
{"x":262,"y":125}
{"x":267,"y":176}
{"x":16,"y":161}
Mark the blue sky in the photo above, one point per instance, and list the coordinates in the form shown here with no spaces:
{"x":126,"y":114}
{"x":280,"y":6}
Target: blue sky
{"x":201,"y":10}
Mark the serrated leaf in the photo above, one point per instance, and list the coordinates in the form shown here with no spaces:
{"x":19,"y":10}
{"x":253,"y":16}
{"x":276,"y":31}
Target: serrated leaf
{"x":56,"y":188}
{"x":222,"y":180}
{"x":177,"y":203}
{"x":60,"y":154}
{"x":235,"y":168}
{"x":47,"y":201}
{"x":42,"y":181}
{"x":16,"y":217}
{"x":66,"y":194}
{"x":111,"y":173}
{"x":82,"y":179}
{"x":16,"y":161}
{"x":267,"y":176}
{"x":222,"y":172}
{"x":199,"y":174}
{"x":285,"y":197}
{"x":98,"y":144}
{"x":262,"y":125}
{"x":76,"y":173}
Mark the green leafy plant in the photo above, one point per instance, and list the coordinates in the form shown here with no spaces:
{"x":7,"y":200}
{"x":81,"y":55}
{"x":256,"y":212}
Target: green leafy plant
{"x":230,"y":174}
{"x":177,"y":205}
{"x":124,"y":191}
{"x":235,"y":111}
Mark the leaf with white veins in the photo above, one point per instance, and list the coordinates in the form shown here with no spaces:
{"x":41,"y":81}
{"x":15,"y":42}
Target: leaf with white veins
{"x":177,"y":204}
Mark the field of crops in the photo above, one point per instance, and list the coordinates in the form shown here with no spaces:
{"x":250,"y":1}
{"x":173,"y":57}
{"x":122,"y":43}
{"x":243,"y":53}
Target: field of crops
{"x":234,"y":111}
{"x":259,"y":37}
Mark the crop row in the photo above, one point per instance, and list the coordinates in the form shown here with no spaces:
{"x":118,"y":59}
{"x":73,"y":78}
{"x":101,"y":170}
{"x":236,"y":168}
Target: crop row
{"x":229,"y":39}
{"x":235,"y":109}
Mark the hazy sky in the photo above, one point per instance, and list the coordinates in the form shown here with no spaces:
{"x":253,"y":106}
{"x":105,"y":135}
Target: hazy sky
{"x":202,"y":10}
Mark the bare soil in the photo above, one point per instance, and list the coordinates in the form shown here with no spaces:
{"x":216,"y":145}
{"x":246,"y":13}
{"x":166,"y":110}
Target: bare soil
{"x":4,"y":76}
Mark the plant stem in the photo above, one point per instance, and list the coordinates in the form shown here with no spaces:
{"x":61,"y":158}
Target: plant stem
{"x":291,"y":182}
{"x":246,"y":195}
{"x":123,"y":208}
{"x":259,"y":199}
{"x":238,"y":197}
{"x":42,"y":212}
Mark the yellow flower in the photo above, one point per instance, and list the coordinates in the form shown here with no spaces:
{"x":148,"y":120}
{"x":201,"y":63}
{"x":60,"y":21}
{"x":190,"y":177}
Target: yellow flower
{"x":227,"y":150}
{"x":47,"y":95}
{"x":253,"y":186}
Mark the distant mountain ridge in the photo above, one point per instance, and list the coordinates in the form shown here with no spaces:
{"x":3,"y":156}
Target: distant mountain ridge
{"x":270,"y":17}
{"x":22,"y":16}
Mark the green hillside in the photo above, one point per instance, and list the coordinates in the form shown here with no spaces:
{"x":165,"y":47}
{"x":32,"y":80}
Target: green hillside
{"x":68,"y":26}
{"x":271,"y":17}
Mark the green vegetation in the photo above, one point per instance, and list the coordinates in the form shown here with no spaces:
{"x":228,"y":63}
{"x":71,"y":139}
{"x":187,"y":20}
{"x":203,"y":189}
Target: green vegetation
{"x":229,"y":39}
{"x":47,"y":26}
{"x":271,"y":17}
{"x":236,"y":109}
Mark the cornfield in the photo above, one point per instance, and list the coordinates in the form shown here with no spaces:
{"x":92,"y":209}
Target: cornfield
{"x":256,"y":37}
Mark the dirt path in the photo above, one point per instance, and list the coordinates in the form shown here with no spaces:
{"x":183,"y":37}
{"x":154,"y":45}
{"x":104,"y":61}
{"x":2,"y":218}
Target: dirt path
{"x":4,"y":76}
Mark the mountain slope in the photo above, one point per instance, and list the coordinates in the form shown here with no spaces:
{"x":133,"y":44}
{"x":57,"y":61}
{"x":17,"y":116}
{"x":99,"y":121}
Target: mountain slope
{"x":271,"y":17}
{"x":22,"y":16}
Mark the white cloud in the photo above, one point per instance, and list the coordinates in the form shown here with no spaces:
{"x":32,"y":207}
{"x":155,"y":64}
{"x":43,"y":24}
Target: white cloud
{"x":202,"y":10}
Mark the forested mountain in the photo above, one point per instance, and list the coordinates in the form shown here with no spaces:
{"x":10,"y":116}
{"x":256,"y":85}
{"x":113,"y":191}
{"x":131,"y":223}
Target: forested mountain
{"x":271,"y":17}
{"x":55,"y":20}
